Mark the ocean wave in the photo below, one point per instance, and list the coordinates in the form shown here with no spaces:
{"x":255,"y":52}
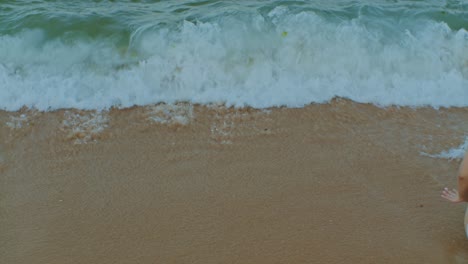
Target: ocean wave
{"x":283,"y":57}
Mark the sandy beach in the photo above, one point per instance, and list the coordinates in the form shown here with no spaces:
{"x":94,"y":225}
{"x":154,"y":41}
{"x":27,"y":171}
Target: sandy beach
{"x":328,"y":183}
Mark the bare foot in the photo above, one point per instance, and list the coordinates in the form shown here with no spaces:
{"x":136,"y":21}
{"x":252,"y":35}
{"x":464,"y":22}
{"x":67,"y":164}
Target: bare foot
{"x":451,"y":195}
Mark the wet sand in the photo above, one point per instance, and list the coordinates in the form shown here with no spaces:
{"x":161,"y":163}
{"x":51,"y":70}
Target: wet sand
{"x":333,"y":183}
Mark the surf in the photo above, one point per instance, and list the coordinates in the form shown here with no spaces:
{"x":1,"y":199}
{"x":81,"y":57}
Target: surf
{"x":280,"y":54}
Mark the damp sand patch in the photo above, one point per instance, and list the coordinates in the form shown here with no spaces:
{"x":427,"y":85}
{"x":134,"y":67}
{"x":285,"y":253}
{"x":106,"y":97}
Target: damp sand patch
{"x":2,"y":160}
{"x":230,"y":123}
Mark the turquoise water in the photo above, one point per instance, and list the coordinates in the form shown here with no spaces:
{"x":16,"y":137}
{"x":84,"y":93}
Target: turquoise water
{"x":98,"y":54}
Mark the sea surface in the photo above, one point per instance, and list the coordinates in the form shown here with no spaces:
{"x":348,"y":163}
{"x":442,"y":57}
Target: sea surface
{"x":102,"y":54}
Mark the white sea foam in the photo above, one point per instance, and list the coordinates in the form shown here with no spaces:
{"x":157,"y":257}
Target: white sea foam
{"x":284,"y":58}
{"x":171,"y":114}
{"x":84,"y":127}
{"x":453,"y":153}
{"x":17,"y":122}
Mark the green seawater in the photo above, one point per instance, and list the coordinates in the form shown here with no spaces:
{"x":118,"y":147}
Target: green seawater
{"x":120,"y":20}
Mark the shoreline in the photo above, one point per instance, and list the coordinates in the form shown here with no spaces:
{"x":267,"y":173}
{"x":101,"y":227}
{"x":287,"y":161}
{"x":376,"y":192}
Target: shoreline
{"x":327,"y":183}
